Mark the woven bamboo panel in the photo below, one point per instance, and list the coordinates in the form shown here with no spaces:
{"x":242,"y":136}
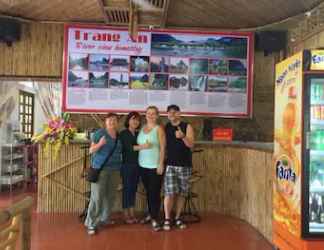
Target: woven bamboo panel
{"x":38,"y":53}
{"x":60,"y":185}
{"x":236,"y":182}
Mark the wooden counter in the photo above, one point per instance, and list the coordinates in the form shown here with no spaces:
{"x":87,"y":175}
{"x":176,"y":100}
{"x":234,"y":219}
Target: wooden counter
{"x":237,"y":181}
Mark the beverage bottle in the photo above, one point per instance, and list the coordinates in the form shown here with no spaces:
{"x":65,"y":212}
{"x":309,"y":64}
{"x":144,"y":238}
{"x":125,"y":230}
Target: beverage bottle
{"x":320,"y":92}
{"x":321,"y":212}
{"x":313,"y":208}
{"x":315,"y":92}
{"x":312,"y":112}
{"x":312,"y":93}
{"x":317,"y":112}
{"x":310,"y":207}
{"x":313,"y":140}
{"x":322,"y":112}
{"x":322,"y":140}
{"x":319,"y":206}
{"x":317,"y":139}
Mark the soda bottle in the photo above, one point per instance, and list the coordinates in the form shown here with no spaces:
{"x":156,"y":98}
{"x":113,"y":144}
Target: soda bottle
{"x":317,"y":112}
{"x":318,"y":139}
{"x":314,"y":207}
{"x":312,"y":93}
{"x":315,"y":92}
{"x":321,"y":211}
{"x":322,"y":140}
{"x":322,"y":112}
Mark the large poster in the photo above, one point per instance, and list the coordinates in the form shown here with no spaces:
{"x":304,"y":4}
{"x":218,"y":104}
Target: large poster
{"x":205,"y":73}
{"x":287,"y":144}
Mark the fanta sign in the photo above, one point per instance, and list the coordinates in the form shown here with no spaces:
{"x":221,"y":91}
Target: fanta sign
{"x":317,"y":60}
{"x":284,"y":171}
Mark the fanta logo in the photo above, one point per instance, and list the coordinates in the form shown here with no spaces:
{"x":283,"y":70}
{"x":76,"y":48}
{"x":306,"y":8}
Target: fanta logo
{"x":284,"y":171}
{"x":317,"y":59}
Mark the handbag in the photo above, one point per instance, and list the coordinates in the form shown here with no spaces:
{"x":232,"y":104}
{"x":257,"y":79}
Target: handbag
{"x":92,"y":174}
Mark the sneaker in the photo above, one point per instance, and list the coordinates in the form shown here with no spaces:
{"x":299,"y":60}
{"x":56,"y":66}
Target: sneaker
{"x":179,"y":224}
{"x":167,"y":225}
{"x":146,"y":220}
{"x":91,"y":231}
{"x":155,"y":226}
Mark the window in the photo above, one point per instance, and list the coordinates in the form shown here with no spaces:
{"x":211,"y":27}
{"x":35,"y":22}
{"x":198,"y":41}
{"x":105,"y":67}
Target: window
{"x":26,"y":113}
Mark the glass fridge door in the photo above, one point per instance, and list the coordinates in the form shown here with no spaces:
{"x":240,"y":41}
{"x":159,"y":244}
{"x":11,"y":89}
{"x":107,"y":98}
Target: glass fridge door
{"x":314,"y":158}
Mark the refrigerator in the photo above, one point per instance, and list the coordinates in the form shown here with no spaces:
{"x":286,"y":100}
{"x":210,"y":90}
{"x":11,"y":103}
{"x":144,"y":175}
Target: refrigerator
{"x":298,"y":159}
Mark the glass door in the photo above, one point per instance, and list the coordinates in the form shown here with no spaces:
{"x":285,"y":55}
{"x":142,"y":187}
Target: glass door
{"x":313,"y":184}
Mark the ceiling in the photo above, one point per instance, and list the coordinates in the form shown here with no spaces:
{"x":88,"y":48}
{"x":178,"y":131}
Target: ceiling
{"x":218,"y":14}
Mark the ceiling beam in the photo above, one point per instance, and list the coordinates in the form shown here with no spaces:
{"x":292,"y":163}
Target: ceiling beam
{"x":165,"y":13}
{"x":102,"y":8}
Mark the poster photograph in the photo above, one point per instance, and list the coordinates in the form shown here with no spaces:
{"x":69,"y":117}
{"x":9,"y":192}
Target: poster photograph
{"x":205,"y":73}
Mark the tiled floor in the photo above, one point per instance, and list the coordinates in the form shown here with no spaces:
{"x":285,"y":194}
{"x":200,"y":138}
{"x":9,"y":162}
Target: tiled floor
{"x":57,"y":232}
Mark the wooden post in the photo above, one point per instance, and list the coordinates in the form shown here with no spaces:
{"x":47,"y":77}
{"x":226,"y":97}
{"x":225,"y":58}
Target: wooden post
{"x":20,"y":214}
{"x":25,"y":235}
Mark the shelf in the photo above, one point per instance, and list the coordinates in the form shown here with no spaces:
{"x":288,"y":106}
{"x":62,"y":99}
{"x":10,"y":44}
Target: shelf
{"x":317,"y":122}
{"x":317,"y":189}
{"x":14,"y":157}
{"x":317,"y":102}
{"x":11,"y":169}
{"x":8,"y":145}
{"x":316,"y":152}
{"x":315,"y":227}
{"x":7,"y":180}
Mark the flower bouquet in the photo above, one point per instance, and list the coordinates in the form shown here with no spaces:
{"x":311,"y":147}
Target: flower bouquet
{"x":58,"y":131}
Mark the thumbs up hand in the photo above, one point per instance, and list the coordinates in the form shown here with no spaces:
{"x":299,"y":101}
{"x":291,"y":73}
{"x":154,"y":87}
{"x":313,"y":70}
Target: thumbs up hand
{"x":179,"y":134}
{"x":102,"y":141}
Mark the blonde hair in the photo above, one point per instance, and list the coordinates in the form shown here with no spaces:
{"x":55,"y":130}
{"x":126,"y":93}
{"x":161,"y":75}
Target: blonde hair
{"x":153,"y":107}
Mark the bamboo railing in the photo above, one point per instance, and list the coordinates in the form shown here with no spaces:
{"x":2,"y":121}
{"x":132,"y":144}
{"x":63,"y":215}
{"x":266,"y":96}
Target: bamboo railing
{"x":15,"y":222}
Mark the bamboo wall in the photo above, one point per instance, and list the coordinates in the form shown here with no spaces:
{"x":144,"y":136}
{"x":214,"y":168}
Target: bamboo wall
{"x":40,"y":54}
{"x":236,"y":181}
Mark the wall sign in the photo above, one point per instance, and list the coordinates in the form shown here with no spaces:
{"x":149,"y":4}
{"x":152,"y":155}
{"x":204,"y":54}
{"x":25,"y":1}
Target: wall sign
{"x":205,"y":73}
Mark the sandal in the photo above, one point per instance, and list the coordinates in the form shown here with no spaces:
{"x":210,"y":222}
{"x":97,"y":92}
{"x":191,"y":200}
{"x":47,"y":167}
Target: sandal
{"x":179,"y":224}
{"x":167,"y":225}
{"x":131,"y":221}
{"x":155,"y":226}
{"x":146,"y":220}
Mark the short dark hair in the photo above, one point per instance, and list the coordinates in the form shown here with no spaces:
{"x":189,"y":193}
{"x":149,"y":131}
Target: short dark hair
{"x":130,"y":116}
{"x":173,"y":107}
{"x":109,"y":115}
